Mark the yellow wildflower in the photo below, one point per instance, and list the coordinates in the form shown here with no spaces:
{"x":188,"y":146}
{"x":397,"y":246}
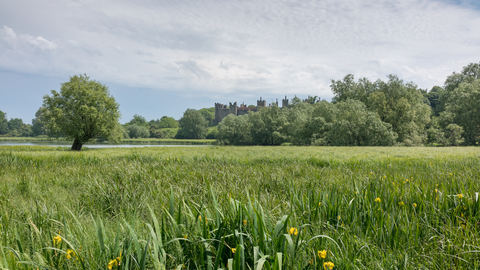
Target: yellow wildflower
{"x":406,"y":180}
{"x":400,"y":203}
{"x":319,"y":203}
{"x":233,"y":250}
{"x":328,"y":265}
{"x":371,"y":172}
{"x":384,"y":176}
{"x":293,"y":231}
{"x":414,"y":205}
{"x":185,"y":236}
{"x":378,"y":199}
{"x":57,"y":239}
{"x":460,"y":196}
{"x":322,"y":254}
{"x":450,"y":173}
{"x":70,"y":254}
{"x":436,"y":190}
{"x":244,"y":222}
{"x":178,"y":159}
{"x":112,"y":263}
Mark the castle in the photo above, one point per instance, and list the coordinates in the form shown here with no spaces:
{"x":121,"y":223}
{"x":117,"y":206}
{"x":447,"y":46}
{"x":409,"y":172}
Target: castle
{"x":221,"y":110}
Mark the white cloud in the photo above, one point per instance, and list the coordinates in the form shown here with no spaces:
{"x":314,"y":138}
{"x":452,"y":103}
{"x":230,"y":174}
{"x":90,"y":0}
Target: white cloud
{"x":223,"y":47}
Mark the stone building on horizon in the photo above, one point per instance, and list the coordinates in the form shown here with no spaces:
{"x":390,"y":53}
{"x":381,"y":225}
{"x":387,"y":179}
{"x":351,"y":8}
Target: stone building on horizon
{"x":222,"y":110}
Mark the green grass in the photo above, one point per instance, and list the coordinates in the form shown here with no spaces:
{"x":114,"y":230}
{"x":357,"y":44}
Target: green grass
{"x":165,"y":208}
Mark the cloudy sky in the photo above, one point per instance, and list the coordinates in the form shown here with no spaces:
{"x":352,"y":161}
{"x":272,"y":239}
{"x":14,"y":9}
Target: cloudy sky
{"x":162,"y":57}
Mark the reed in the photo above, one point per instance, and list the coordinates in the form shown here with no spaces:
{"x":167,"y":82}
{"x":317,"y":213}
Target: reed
{"x":240,"y":208}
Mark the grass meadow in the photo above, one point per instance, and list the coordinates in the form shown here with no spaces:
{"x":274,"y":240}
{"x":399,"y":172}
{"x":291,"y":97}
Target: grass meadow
{"x":216,"y":207}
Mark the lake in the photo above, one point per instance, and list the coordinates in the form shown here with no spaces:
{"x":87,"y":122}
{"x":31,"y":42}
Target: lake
{"x":97,"y":145}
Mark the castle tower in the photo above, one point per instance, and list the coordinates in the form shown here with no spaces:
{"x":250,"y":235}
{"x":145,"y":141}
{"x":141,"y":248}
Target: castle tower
{"x":285,"y":102}
{"x":233,"y":108}
{"x":261,"y":103}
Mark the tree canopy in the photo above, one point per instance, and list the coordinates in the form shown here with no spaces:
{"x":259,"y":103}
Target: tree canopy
{"x":3,"y":123}
{"x":83,"y":109}
{"x":192,"y":125}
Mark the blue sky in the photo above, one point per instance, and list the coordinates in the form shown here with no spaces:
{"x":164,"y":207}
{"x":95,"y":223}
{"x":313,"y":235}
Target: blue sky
{"x":161,"y":57}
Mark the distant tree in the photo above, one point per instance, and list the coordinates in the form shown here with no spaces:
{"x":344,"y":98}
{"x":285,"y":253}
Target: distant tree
{"x":312,"y":99}
{"x":433,"y":98}
{"x":212,"y":133}
{"x":208,"y":114}
{"x":83,"y":109}
{"x":3,"y":123}
{"x":462,"y":108}
{"x":296,"y":119}
{"x":137,"y":131}
{"x":453,"y":135}
{"x":295,"y":100}
{"x":268,"y":126}
{"x":251,"y":106}
{"x":192,"y":125}
{"x":349,"y":89}
{"x":468,"y":74}
{"x":139,"y":120}
{"x":15,"y":123}
{"x":401,"y":105}
{"x":354,"y":125}
{"x":38,"y":123}
{"x":234,"y":130}
{"x":168,"y":122}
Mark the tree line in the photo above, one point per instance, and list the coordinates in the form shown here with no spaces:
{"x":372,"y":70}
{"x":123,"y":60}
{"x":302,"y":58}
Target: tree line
{"x":361,"y":113}
{"x":369,"y":113}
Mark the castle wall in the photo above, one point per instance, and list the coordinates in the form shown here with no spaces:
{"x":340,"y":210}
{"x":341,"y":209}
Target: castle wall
{"x":221,"y":110}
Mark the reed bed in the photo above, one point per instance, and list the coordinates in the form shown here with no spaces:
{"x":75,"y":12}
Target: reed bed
{"x":240,"y":208}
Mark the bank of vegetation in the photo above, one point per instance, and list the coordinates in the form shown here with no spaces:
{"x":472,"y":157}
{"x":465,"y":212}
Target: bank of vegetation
{"x":369,"y":113}
{"x":240,"y":208}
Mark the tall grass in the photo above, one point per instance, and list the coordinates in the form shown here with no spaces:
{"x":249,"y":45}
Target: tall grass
{"x":240,"y":208}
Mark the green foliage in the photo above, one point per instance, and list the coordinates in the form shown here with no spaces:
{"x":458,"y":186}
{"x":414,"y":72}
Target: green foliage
{"x":192,"y":125}
{"x":168,"y":122}
{"x":454,"y":135}
{"x":234,"y":130}
{"x":324,"y":123}
{"x":468,"y":74}
{"x":38,"y":124}
{"x":139,"y":121}
{"x":267,"y":126}
{"x":402,"y":106}
{"x":163,"y":133}
{"x":3,"y":123}
{"x":212,"y":132}
{"x":248,"y":207}
{"x":433,"y":98}
{"x":15,"y":123}
{"x":81,"y":111}
{"x":349,"y":89}
{"x":208,"y":114}
{"x":137,"y":131}
{"x":462,"y":109}
{"x":356,"y":126}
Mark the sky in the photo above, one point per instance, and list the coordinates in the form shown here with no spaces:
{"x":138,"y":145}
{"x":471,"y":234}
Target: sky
{"x":161,"y":57}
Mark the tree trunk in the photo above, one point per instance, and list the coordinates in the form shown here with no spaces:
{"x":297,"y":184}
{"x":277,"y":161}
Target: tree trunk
{"x":77,"y":145}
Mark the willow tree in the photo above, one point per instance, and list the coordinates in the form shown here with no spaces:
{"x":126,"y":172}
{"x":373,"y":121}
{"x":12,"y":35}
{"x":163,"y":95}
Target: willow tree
{"x":84,"y":109}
